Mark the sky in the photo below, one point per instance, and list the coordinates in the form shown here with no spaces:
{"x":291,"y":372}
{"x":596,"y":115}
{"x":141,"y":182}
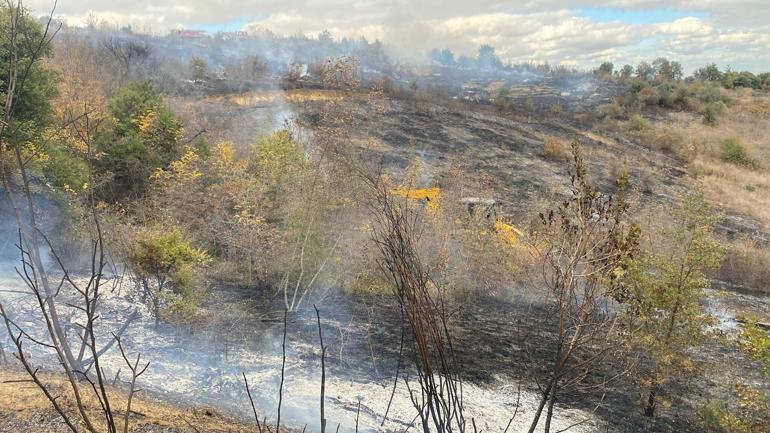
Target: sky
{"x":580,"y":33}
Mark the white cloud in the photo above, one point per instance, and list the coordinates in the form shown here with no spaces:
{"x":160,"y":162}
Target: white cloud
{"x":723,"y":31}
{"x":686,"y":26}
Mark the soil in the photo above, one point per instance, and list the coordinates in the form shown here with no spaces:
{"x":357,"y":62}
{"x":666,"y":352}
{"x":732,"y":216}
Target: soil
{"x":24,"y":408}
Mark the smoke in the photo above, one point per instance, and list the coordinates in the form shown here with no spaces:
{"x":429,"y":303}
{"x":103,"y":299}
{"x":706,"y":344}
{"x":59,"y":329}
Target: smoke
{"x":48,"y":217}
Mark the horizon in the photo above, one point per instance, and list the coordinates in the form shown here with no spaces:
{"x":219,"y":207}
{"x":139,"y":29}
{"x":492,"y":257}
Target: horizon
{"x":580,"y":35}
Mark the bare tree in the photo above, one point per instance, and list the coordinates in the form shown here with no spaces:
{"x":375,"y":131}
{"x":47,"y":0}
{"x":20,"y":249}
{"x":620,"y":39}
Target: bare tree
{"x":128,"y":53}
{"x":440,"y":400}
{"x":585,"y":242}
{"x":25,"y":49}
{"x":20,"y":65}
{"x":136,"y":370}
{"x":89,"y":380}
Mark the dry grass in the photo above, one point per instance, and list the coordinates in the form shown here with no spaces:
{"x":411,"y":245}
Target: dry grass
{"x":739,"y":189}
{"x":272,"y":96}
{"x":743,"y":120}
{"x":666,"y":137}
{"x":555,"y":149}
{"x":25,"y":406}
{"x":734,"y":188}
{"x":747,"y":264}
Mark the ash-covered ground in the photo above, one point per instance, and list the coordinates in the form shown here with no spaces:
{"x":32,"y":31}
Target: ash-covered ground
{"x":204,"y":367}
{"x":500,"y":346}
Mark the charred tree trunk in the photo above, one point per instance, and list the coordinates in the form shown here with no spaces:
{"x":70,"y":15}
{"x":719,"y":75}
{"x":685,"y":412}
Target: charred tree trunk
{"x":649,"y":409}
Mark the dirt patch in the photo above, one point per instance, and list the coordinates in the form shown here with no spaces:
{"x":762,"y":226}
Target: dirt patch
{"x":24,"y":408}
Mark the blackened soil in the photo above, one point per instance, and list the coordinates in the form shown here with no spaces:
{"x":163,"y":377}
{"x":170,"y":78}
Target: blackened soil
{"x":493,"y":340}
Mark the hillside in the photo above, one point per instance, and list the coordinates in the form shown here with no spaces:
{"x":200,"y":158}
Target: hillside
{"x":199,"y":230}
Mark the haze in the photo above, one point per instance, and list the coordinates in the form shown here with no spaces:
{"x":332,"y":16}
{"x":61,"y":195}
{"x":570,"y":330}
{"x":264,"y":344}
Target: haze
{"x":581,"y":33}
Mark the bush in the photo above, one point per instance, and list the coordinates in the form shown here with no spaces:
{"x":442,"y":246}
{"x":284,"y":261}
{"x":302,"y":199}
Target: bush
{"x":169,"y":268}
{"x":712,"y":112}
{"x":716,"y":417}
{"x":64,"y":170}
{"x":741,"y":79}
{"x":735,"y":152}
{"x":638,"y":123}
{"x":755,"y":342}
{"x":612,"y":111}
{"x":709,"y":93}
{"x":555,"y":149}
{"x":671,"y":140}
{"x":668,"y":95}
{"x":650,"y":96}
{"x":141,"y":135}
{"x":621,"y":177}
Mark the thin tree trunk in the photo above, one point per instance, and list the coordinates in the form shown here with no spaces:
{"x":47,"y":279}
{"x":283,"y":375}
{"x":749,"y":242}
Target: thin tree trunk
{"x":30,"y":238}
{"x":549,"y":415}
{"x":543,"y":401}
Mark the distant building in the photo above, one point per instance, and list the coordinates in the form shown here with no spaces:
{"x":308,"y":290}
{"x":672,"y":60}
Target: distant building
{"x":233,"y":35}
{"x":189,"y":34}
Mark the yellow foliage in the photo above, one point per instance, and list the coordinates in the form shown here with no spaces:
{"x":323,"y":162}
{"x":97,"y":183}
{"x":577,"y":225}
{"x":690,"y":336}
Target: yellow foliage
{"x":183,"y":170}
{"x":68,"y":189}
{"x":145,"y":121}
{"x":513,"y":237}
{"x":246,"y":215}
{"x":224,"y":161}
{"x":507,"y":233}
{"x":32,"y":150}
{"x":280,"y":158}
{"x":430,"y":195}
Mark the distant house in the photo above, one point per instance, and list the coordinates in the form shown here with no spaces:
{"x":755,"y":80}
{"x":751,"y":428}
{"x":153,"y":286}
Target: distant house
{"x":233,"y":35}
{"x":189,"y":34}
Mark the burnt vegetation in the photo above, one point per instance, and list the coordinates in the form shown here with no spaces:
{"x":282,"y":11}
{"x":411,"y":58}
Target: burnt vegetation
{"x":337,"y":241}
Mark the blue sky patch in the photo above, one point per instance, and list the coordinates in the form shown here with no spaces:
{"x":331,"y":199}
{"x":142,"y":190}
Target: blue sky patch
{"x":230,"y":26}
{"x":637,"y":16}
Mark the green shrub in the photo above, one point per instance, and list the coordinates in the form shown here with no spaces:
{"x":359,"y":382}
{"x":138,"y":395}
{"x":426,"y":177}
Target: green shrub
{"x":755,"y":342}
{"x":712,"y":112}
{"x":637,"y":85}
{"x":140,"y":136}
{"x":65,"y":170}
{"x":709,"y":92}
{"x":682,"y":96}
{"x":637,"y":123}
{"x":735,"y":152}
{"x":170,"y":270}
{"x":741,"y":79}
{"x":716,"y":417}
{"x":667,"y":95}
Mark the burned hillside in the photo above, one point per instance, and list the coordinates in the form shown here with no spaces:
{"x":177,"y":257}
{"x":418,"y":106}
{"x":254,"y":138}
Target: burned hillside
{"x":245,"y":230}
